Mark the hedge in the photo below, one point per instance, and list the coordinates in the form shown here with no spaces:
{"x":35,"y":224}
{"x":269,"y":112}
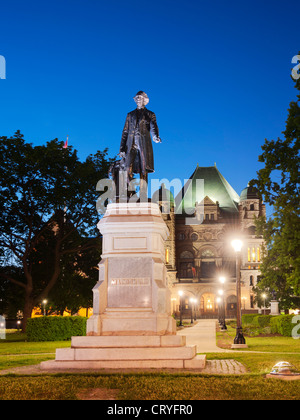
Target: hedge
{"x":55,"y":328}
{"x":280,"y":324}
{"x":262,"y":320}
{"x":247,"y":319}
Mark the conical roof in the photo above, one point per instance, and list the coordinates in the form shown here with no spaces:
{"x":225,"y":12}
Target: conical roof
{"x":214,"y":186}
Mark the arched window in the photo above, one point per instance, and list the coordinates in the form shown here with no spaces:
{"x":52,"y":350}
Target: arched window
{"x":251,"y":230}
{"x":207,"y":253}
{"x":186,"y":255}
{"x":186,"y":265}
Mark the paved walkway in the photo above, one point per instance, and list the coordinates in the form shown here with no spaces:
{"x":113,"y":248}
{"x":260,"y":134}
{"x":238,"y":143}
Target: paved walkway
{"x":203,"y":334}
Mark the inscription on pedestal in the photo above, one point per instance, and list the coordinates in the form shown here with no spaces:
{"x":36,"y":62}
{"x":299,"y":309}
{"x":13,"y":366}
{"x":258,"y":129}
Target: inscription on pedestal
{"x":139,"y":281}
{"x":129,"y":283}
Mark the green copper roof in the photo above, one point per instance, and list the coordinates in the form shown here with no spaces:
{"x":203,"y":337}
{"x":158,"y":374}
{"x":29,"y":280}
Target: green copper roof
{"x":215,"y":187}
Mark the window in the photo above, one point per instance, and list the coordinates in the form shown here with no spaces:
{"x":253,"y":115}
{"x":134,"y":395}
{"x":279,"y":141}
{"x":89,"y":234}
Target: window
{"x":251,"y":280}
{"x":186,"y":255}
{"x":194,"y":237}
{"x":181,"y":236}
{"x":249,"y":255}
{"x":207,"y":253}
{"x":167,"y":255}
{"x":253,"y":254}
{"x":251,"y":230}
{"x":207,"y":217}
{"x":212,"y":217}
{"x":258,"y":254}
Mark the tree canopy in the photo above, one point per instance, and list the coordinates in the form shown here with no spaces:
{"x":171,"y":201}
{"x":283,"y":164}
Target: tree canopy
{"x":48,"y":201}
{"x":278,"y":183}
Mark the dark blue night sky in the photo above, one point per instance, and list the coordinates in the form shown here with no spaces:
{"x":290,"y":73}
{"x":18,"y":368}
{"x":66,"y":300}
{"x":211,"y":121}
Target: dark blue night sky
{"x":217,"y":75}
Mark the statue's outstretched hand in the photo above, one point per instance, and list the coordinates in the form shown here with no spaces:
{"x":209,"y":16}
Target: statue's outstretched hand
{"x":157,"y":139}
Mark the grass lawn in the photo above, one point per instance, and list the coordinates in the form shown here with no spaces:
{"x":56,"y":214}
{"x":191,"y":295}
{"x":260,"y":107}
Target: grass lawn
{"x":270,"y":343}
{"x":15,"y":351}
{"x":152,"y":386}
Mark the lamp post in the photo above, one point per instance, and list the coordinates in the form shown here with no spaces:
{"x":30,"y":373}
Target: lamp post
{"x":180,"y":293}
{"x":244,"y":300}
{"x":222,"y":280}
{"x":219,"y":312}
{"x":44,"y":304}
{"x":264,"y":298}
{"x":239,"y":340}
{"x":192,"y":303}
{"x":195,"y":309}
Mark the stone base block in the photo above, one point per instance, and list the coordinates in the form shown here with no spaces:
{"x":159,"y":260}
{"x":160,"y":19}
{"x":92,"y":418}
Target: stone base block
{"x":126,"y":352}
{"x":239,"y":346}
{"x":283,"y":377}
{"x":128,"y":341}
{"x":129,"y":322}
{"x":111,"y":364}
{"x":198,"y":362}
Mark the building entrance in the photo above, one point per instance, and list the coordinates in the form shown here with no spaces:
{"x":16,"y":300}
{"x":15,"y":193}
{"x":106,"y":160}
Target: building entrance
{"x":208,"y":305}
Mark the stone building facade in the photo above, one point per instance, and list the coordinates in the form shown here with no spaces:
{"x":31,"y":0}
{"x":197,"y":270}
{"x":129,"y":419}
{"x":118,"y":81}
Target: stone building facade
{"x":203,"y":219}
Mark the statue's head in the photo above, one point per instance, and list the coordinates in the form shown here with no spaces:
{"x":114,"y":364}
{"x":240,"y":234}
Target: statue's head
{"x":141,"y":99}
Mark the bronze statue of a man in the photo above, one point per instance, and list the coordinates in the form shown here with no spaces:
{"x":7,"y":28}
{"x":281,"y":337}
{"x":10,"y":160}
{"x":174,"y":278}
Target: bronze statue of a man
{"x":136,"y":145}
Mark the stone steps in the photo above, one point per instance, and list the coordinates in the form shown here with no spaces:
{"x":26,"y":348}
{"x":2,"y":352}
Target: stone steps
{"x":127,"y":352}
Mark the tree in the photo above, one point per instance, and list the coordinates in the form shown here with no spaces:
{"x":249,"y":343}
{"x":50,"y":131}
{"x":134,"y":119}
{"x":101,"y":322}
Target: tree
{"x":46,"y":193}
{"x":278,"y":184}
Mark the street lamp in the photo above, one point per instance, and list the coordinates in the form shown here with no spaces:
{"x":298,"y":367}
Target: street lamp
{"x":244,"y":300}
{"x":264,"y":298}
{"x":222,"y":280}
{"x":45,"y":303}
{"x":239,"y":340}
{"x":219,"y":312}
{"x":180,"y":293}
{"x":195,"y":309}
{"x":192,"y":303}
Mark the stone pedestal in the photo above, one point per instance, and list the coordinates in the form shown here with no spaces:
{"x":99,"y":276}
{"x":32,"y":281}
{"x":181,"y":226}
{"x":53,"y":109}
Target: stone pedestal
{"x":131,"y":325}
{"x":274,"y":307}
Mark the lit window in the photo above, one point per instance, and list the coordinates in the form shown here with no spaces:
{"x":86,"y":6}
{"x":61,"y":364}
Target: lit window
{"x":249,"y":255}
{"x":253,"y":254}
{"x":167,"y":256}
{"x":258,"y":254}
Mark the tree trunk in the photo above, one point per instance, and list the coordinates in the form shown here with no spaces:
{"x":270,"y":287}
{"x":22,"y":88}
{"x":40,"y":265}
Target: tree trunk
{"x":28,"y":307}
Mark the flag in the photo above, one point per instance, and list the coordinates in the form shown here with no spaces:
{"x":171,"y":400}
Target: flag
{"x":66,"y":143}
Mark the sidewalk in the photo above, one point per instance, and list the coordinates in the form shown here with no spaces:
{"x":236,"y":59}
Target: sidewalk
{"x":203,"y":334}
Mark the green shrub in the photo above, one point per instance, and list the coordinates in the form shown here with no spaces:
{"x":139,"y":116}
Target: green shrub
{"x":55,"y":328}
{"x":247,"y":319}
{"x":282,"y":324}
{"x":274,"y":323}
{"x":262,"y":320}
